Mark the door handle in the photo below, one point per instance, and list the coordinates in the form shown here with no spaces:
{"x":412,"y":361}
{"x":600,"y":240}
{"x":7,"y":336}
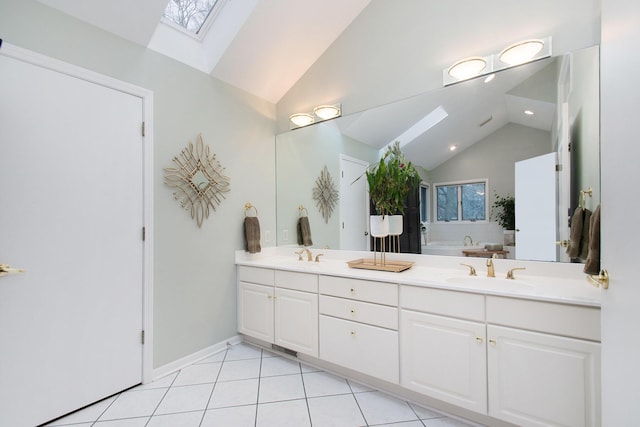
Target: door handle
{"x":366,"y":233}
{"x":5,"y":269}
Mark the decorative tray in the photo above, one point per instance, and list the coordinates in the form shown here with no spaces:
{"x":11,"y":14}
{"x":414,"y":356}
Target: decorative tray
{"x":368,"y":264}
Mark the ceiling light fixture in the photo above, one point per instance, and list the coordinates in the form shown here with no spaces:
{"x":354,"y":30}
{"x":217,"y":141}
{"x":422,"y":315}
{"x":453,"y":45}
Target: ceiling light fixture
{"x":513,"y":55}
{"x":453,"y":147}
{"x":301,"y":119}
{"x":467,"y":68}
{"x":521,"y":52}
{"x":326,"y":112}
{"x":528,"y":112}
{"x":319,"y":114}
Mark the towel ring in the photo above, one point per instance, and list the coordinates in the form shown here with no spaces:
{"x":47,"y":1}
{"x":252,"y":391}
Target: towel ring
{"x":248,"y":206}
{"x":302,"y":208}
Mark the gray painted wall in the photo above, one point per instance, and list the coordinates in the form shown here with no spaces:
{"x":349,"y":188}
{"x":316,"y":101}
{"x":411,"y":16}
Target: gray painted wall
{"x":194,"y":283}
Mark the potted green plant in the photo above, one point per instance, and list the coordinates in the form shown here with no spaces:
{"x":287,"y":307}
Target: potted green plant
{"x":390,"y":181}
{"x":503,"y":210}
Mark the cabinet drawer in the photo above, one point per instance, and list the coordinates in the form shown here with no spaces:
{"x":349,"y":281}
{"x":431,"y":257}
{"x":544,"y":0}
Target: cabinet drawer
{"x":297,"y":281}
{"x":447,"y":303}
{"x":263,"y":276}
{"x":558,"y":319}
{"x":373,"y":314}
{"x":363,"y":348}
{"x":363,"y":290}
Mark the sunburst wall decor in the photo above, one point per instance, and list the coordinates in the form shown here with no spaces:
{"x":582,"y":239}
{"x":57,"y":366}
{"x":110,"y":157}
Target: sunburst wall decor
{"x":198,"y":179}
{"x":325,"y":194}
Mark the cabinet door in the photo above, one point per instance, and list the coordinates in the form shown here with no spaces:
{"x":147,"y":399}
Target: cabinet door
{"x":363,"y":348}
{"x":255,"y":311}
{"x":444,"y":358}
{"x":296,"y":321}
{"x":543,"y":380}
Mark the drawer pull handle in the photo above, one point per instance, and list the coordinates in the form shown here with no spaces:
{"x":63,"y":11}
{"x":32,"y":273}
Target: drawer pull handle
{"x":353,"y":311}
{"x":492,"y":342}
{"x":353,"y":333}
{"x":353,"y":290}
{"x":479,"y":340}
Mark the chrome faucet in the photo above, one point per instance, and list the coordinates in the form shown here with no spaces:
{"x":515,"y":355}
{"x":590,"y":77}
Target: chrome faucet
{"x":465,"y":240}
{"x":491,"y":272}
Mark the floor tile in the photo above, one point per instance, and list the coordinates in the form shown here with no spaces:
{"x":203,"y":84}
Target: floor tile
{"x":164,"y":382}
{"x":292,"y":413}
{"x":358,"y":388}
{"x":217,"y":357}
{"x":127,"y":422}
{"x":238,"y":416}
{"x":134,"y":404}
{"x":425,"y":413}
{"x":379,"y":408}
{"x":335,"y":411}
{"x":403,"y":424}
{"x":324,"y":384}
{"x":185,"y":398}
{"x":308,"y":368}
{"x":272,"y":366}
{"x":198,"y":374}
{"x":86,"y":415}
{"x":185,"y":419}
{"x":234,"y":393}
{"x":274,"y":389}
{"x":243,"y":351}
{"x":239,"y":370}
{"x":447,"y":422}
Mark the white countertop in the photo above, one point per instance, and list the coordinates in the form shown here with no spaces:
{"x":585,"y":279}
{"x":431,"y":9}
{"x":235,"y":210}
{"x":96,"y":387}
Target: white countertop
{"x":542,"y":281}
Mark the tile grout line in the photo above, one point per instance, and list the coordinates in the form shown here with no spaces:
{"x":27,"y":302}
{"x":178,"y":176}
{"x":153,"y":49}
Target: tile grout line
{"x":357,"y":403}
{"x":255,"y":419}
{"x":215,"y":383}
{"x":304,"y":390}
{"x":163,"y":396}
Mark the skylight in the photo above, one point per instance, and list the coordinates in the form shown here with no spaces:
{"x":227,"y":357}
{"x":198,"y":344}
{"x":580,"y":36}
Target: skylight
{"x":190,"y":14}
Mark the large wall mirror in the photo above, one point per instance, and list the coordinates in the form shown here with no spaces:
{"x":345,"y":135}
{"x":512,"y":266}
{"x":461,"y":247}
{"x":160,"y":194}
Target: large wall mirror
{"x":491,"y":129}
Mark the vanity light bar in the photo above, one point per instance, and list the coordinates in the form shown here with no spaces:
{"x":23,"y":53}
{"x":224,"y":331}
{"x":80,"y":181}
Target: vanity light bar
{"x":319,"y":114}
{"x":518,"y":53}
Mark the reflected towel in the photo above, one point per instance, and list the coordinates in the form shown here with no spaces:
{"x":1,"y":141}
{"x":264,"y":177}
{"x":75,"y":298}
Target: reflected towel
{"x":577,"y":221}
{"x":304,"y":232}
{"x":592,"y":264}
{"x":586,"y":231}
{"x":252,"y":234}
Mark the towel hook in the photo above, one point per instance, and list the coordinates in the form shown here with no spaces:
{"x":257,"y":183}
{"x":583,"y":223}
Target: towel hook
{"x":583,"y":197}
{"x":302,"y":208}
{"x":248,"y":206}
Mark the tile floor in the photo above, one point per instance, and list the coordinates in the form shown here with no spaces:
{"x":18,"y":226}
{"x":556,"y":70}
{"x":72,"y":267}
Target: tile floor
{"x":247,"y":386}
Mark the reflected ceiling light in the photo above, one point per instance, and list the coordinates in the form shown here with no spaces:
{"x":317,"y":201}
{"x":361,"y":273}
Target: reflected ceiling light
{"x":528,"y":112}
{"x":453,"y":147}
{"x":301,"y":119}
{"x":467,"y":68}
{"x":521,"y":52}
{"x":516,"y":54}
{"x":326,"y":112}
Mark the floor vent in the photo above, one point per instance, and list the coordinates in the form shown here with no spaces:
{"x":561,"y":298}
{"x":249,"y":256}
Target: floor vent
{"x":284,"y":350}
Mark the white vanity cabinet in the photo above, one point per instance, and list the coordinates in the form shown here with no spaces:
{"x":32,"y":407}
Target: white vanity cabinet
{"x":442,"y":346}
{"x":359,"y":326}
{"x":543,"y":363}
{"x":279,"y":307}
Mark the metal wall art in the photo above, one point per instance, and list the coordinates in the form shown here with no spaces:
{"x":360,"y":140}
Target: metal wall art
{"x":325,"y":194}
{"x":198,"y":179}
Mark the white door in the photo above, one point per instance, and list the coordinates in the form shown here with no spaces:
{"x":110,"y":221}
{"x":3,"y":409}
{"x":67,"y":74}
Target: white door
{"x":564,"y":184}
{"x":354,"y":208}
{"x":535,"y":194}
{"x":71,"y":215}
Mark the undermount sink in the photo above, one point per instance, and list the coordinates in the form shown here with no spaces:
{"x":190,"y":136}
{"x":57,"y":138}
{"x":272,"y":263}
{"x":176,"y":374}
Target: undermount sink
{"x":511,"y":284}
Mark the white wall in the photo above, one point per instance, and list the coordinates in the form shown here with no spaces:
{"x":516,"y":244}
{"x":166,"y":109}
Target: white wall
{"x":194,"y":283}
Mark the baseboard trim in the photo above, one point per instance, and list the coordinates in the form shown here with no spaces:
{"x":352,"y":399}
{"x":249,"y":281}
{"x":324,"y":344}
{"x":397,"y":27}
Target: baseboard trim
{"x":185,"y":361}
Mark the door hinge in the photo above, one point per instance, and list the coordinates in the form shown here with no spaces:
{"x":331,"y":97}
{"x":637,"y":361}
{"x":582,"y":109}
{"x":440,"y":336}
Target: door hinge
{"x":142,"y":337}
{"x":143,"y":129}
{"x":144,"y":233}
{"x":558,"y":168}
